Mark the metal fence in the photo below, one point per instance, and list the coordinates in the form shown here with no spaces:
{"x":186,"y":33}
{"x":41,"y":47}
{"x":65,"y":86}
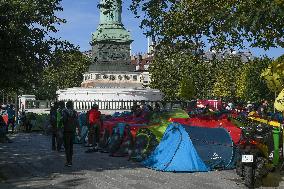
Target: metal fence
{"x":107,"y":105}
{"x":38,"y":104}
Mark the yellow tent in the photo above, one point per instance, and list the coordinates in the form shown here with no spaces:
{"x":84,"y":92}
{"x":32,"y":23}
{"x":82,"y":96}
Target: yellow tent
{"x":279,"y":102}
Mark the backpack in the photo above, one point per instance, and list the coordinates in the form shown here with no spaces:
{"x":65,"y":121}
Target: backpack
{"x":70,"y":120}
{"x":52,"y":115}
{"x":59,"y":123}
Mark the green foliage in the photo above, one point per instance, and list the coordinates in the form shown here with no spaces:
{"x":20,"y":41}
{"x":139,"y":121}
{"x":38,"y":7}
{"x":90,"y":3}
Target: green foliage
{"x":183,"y":76}
{"x":38,"y":121}
{"x":187,"y":88}
{"x":226,"y":72}
{"x":166,"y":73}
{"x":222,"y":23}
{"x":65,"y":71}
{"x":203,"y":77}
{"x":274,"y":74}
{"x":181,"y":30}
{"x":26,"y":45}
{"x":250,"y":86}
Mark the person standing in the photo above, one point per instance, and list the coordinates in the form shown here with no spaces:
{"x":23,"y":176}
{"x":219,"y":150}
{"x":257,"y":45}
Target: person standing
{"x":136,"y":110}
{"x":70,"y":123}
{"x":144,"y":106}
{"x":263,"y":108}
{"x":59,"y":125}
{"x":24,"y":121}
{"x":52,"y":120}
{"x":157,"y":107}
{"x":11,"y":117}
{"x":94,"y":121}
{"x":3,"y":126}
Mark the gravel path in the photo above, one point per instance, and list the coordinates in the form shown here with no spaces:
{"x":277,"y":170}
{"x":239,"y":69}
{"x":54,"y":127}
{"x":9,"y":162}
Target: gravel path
{"x":28,"y":162}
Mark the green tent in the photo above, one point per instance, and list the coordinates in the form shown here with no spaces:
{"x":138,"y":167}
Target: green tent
{"x":163,"y":120}
{"x":148,"y":138}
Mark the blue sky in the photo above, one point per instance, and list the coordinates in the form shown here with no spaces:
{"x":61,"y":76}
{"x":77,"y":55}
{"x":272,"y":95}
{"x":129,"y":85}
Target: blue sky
{"x":83,"y":18}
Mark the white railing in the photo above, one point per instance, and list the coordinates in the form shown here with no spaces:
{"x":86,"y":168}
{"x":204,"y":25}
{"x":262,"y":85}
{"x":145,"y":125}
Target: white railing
{"x":107,"y":106}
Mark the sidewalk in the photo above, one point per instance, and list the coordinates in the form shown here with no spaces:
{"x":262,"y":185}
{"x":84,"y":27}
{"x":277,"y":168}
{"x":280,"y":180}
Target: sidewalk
{"x":28,"y":162}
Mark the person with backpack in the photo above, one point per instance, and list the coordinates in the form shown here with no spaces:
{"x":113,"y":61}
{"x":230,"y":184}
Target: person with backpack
{"x":59,"y":125}
{"x":3,"y":126}
{"x":94,"y":122}
{"x":11,"y":117}
{"x":52,"y":121}
{"x":70,"y":123}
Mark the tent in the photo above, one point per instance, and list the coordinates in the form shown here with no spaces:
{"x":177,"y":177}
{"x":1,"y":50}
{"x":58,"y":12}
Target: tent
{"x":214,"y":146}
{"x":233,"y":130}
{"x":163,"y":119}
{"x":268,"y":122}
{"x":148,"y":137}
{"x":279,"y":102}
{"x":104,"y":141}
{"x":116,"y":138}
{"x":175,"y":153}
{"x":126,"y":144}
{"x":82,"y":119}
{"x":130,"y":120}
{"x":127,"y":133}
{"x":145,"y":143}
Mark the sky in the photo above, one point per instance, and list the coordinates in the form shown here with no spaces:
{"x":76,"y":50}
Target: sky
{"x":82,"y":18}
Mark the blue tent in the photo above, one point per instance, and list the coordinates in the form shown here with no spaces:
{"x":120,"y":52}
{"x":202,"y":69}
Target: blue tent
{"x":175,"y":152}
{"x":82,"y":119}
{"x":214,"y":146}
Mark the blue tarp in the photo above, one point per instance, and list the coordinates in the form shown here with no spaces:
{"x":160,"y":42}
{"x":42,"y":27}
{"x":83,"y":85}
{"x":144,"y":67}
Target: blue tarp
{"x":214,"y":146}
{"x":82,"y":118}
{"x":175,"y":153}
{"x":120,"y":114}
{"x":119,"y":128}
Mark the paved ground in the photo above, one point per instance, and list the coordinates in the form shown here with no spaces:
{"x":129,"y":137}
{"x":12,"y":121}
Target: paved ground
{"x":28,"y":162}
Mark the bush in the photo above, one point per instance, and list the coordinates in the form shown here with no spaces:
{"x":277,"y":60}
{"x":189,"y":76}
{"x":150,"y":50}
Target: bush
{"x":39,"y":122}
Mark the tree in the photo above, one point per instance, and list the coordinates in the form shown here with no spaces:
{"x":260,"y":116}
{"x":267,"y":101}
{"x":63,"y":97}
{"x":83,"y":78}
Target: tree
{"x":250,"y":84}
{"x":187,"y":88}
{"x":274,"y":75}
{"x":226,"y":73}
{"x":195,"y":25}
{"x":26,"y":45}
{"x":169,"y":70}
{"x":225,"y":23}
{"x":165,"y":75}
{"x":65,"y":70}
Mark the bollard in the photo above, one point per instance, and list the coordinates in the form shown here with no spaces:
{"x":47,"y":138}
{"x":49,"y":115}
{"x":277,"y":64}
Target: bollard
{"x":276,"y":137}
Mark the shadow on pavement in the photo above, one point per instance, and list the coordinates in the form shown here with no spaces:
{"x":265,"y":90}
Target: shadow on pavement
{"x":29,"y":159}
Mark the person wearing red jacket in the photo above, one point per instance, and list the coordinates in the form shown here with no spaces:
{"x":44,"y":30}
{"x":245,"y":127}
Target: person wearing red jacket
{"x":94,"y":121}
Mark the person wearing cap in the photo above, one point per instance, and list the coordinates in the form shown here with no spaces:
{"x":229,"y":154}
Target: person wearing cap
{"x":94,"y":121}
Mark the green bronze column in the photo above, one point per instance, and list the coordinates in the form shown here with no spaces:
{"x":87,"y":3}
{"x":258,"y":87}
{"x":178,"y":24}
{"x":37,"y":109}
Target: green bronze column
{"x":114,"y":14}
{"x":111,"y":42}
